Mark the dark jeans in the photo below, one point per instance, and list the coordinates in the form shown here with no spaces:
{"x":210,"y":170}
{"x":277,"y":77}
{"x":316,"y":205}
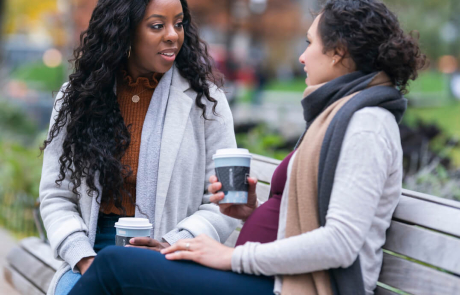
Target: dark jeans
{"x":119,"y":270}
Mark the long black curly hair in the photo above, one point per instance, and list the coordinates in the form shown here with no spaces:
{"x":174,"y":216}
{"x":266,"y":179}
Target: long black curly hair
{"x":96,"y":137}
{"x":371,"y":35}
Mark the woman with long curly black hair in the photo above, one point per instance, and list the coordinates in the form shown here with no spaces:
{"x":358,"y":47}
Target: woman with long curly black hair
{"x":132,"y":134}
{"x":322,"y":231}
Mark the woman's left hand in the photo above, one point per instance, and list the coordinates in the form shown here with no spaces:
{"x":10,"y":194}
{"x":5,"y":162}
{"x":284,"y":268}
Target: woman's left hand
{"x":147,"y":243}
{"x":202,"y":250}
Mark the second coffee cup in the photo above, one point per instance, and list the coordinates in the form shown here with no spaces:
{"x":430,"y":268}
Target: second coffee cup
{"x":129,"y":227}
{"x":232,"y":170}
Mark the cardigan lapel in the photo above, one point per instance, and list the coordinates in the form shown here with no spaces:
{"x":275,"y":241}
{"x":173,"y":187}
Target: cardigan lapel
{"x":177,"y":116}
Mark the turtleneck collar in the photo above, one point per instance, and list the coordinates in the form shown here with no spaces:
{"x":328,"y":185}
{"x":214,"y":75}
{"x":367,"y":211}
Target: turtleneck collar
{"x":151,"y":82}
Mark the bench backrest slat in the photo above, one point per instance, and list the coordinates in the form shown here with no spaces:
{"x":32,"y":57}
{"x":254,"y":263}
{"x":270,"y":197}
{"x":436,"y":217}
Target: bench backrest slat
{"x":263,"y":191}
{"x":26,"y":264}
{"x":382,"y":291}
{"x":20,"y":283}
{"x":262,"y":168}
{"x":430,"y":198}
{"x":36,"y":247}
{"x":424,"y":245}
{"x":428,"y":214}
{"x":417,"y":279}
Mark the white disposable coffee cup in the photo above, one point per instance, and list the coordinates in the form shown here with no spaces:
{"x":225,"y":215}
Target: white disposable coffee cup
{"x":130,"y":227}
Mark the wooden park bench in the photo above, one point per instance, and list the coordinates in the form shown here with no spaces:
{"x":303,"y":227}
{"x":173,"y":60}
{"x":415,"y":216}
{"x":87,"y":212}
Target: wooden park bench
{"x":421,"y":254}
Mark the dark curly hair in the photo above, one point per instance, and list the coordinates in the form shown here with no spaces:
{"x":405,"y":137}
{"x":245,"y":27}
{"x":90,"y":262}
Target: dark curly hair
{"x":370,"y":34}
{"x":96,"y":136}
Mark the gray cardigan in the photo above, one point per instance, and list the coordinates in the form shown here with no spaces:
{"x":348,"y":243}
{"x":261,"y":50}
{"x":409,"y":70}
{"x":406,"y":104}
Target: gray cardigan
{"x":366,"y":190}
{"x":181,"y":206}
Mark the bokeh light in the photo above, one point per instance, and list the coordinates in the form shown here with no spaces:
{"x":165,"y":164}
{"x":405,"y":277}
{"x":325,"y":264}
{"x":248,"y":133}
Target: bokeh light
{"x":448,"y":64}
{"x":52,"y":58}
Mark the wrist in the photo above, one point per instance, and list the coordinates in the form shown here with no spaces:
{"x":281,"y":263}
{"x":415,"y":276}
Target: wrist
{"x":84,"y":264}
{"x":228,"y":265}
{"x":250,"y":211}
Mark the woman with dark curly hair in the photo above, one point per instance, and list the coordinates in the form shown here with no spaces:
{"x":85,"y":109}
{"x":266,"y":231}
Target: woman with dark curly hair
{"x":332,"y":199}
{"x":132,"y":134}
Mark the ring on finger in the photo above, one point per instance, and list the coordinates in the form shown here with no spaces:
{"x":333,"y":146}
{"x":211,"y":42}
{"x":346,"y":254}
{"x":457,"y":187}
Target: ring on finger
{"x":187,"y":246}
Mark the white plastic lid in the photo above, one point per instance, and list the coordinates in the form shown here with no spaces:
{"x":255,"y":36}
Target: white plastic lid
{"x":232,"y":153}
{"x":133,"y":223}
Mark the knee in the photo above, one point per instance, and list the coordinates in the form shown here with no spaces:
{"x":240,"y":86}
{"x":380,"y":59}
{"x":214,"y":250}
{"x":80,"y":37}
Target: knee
{"x":107,"y":262}
{"x":109,"y":254}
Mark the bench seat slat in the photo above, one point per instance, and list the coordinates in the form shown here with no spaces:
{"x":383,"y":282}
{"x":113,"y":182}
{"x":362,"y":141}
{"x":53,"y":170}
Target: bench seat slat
{"x":417,"y":279}
{"x":424,"y":245}
{"x":428,"y":214}
{"x":21,"y":284}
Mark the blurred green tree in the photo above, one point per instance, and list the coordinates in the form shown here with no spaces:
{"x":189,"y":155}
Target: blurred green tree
{"x":429,"y":18}
{"x":437,"y":22}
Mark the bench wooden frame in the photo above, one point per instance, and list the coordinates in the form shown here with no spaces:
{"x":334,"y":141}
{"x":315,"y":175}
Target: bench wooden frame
{"x":421,"y":254}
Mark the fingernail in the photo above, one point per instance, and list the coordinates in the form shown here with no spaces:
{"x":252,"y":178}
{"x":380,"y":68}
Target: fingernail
{"x":131,"y":241}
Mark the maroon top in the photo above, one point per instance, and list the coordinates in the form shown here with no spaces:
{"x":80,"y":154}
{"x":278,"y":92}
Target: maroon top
{"x":262,"y":225}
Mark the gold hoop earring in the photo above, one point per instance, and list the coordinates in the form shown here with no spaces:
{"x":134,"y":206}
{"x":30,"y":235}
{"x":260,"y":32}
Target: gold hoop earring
{"x":129,"y":52}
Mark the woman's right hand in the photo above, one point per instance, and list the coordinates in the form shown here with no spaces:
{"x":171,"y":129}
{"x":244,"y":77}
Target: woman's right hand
{"x":239,"y":211}
{"x":84,"y":264}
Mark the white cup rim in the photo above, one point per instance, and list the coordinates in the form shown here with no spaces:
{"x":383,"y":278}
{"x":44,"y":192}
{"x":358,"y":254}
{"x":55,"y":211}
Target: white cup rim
{"x":232,"y":153}
{"x":133,"y":223}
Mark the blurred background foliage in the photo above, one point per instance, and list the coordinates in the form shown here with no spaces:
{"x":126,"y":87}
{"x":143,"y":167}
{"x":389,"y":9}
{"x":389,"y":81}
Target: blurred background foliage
{"x":20,"y":169}
{"x":256,"y":44}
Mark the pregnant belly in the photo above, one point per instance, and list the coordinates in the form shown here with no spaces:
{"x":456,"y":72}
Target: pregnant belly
{"x":262,"y":225}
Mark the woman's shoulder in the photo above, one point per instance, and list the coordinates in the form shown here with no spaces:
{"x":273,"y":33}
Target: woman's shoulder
{"x":58,"y":98}
{"x":375,"y":120}
{"x":217,"y":92}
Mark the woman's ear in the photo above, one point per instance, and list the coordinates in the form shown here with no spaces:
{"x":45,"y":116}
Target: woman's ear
{"x":342,"y":59}
{"x":338,"y":56}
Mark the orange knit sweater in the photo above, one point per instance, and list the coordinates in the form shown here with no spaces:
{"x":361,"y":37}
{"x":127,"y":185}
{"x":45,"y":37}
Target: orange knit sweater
{"x":134,"y":115}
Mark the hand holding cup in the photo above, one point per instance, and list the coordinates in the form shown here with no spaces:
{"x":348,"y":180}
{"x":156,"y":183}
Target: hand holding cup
{"x":239,"y":211}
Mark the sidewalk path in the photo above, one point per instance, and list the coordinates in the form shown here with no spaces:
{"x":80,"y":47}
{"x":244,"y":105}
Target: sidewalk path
{"x":6,"y":244}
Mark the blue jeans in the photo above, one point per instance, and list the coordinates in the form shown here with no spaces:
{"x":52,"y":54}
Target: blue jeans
{"x":118,"y":270}
{"x":105,"y":236}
